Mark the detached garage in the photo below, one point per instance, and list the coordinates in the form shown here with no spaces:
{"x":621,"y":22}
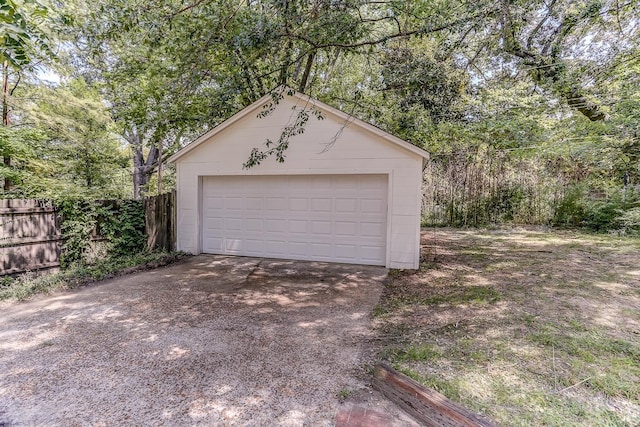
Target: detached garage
{"x":347,"y":191}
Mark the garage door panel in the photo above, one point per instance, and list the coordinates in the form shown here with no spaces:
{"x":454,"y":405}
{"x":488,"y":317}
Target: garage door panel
{"x":298,"y":248}
{"x":214,"y":244}
{"x":298,"y":226}
{"x":346,"y":206}
{"x":276,"y":226}
{"x":372,"y":183}
{"x":255,"y":246}
{"x":346,"y":251}
{"x":215,"y":203}
{"x":254,"y":225}
{"x":276,"y":247}
{"x":321,"y":250}
{"x":233,"y":203}
{"x":275,"y":204}
{"x":321,"y":204}
{"x":347,"y":183}
{"x":253,"y":203}
{"x":298,"y":204}
{"x":372,"y":229}
{"x":372,"y":206}
{"x":233,"y":245}
{"x":317,"y":183}
{"x":321,"y":227}
{"x":233,"y":224}
{"x":346,"y":228}
{"x":326,"y":217}
{"x":214,"y":223}
{"x":372,"y":253}
{"x":296,"y":183}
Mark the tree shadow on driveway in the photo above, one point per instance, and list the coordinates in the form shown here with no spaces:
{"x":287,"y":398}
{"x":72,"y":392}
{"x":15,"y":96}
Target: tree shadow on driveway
{"x":212,"y":340}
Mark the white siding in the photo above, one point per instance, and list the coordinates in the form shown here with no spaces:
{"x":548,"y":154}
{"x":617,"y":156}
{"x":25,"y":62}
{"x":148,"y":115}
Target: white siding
{"x":327,"y":147}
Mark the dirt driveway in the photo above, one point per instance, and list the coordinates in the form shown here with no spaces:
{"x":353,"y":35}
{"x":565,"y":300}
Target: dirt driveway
{"x":212,"y":340}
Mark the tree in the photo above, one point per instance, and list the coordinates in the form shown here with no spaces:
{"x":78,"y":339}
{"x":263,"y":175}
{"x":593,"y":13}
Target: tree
{"x":516,"y":79}
{"x":23,"y":39}
{"x":177,"y":90}
{"x":64,"y":145}
{"x":80,"y":141}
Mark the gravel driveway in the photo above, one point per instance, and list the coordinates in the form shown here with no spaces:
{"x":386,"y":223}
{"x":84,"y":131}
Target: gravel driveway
{"x":212,"y":340}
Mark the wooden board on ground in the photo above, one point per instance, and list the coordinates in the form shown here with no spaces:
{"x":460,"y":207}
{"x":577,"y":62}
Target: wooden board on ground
{"x":426,"y":405}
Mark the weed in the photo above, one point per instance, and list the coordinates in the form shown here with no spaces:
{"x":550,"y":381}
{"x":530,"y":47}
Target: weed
{"x":75,"y":275}
{"x":423,"y":352}
{"x":464,"y":295}
{"x":343,"y":394}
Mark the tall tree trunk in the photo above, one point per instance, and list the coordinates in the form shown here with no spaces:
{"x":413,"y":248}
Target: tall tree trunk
{"x":142,"y":169}
{"x":139,"y":181}
{"x":307,"y":72}
{"x":160,"y":168}
{"x":5,"y":115}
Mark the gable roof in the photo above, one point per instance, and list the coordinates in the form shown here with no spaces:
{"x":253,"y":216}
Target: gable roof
{"x":307,"y":100}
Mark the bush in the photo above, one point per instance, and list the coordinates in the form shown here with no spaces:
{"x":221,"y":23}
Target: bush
{"x":570,"y":209}
{"x":629,"y":221}
{"x":120,"y":223}
{"x":617,"y":210}
{"x":124,"y":227}
{"x":79,"y":219}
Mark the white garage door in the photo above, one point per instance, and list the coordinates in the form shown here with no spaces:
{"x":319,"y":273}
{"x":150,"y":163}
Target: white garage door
{"x":339,"y":218}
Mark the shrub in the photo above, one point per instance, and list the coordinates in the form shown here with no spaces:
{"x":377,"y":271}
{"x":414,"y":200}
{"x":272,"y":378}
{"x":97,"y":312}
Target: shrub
{"x":79,"y":219}
{"x":615,"y":211}
{"x":121,"y":223}
{"x":629,"y":221}
{"x":124,"y":227}
{"x":570,"y":209}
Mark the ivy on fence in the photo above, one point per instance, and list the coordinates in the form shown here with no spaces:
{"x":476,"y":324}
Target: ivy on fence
{"x":119,"y":224}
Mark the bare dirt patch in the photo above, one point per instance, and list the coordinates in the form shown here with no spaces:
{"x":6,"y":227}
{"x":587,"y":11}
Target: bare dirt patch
{"x":527,"y":326}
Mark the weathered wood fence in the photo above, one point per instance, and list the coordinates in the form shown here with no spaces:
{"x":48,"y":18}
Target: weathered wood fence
{"x":31,"y":237}
{"x":160,"y":221}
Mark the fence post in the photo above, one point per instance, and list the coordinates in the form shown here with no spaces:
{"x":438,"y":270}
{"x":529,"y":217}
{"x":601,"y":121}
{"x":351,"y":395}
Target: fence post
{"x":160,"y":222}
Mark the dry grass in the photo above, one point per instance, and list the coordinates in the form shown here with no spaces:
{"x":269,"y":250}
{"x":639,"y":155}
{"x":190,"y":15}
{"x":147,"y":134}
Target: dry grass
{"x":528,"y":326}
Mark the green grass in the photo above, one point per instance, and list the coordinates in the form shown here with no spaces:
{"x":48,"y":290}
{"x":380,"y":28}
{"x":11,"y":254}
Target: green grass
{"x":28,"y":284}
{"x":453,"y":295}
{"x":422,"y":353}
{"x":607,"y":365}
{"x":526,"y":328}
{"x":448,"y":388}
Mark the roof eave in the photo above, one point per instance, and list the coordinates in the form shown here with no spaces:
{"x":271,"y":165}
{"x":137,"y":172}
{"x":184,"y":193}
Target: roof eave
{"x":262,"y":101}
{"x":222,"y":126}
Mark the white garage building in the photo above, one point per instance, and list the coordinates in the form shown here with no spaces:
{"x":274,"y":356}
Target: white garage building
{"x":347,"y":191}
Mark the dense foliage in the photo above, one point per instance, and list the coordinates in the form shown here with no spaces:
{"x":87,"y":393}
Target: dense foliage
{"x":99,"y":229}
{"x":530,"y":108}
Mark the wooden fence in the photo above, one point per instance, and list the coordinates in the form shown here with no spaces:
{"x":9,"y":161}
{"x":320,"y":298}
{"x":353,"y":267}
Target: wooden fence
{"x":160,"y":221}
{"x":30,"y":237}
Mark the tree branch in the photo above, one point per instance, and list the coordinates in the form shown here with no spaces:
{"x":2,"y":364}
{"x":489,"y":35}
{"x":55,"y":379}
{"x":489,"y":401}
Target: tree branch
{"x":189,"y":7}
{"x":540,"y":24}
{"x":549,"y":69}
{"x":381,"y":40}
